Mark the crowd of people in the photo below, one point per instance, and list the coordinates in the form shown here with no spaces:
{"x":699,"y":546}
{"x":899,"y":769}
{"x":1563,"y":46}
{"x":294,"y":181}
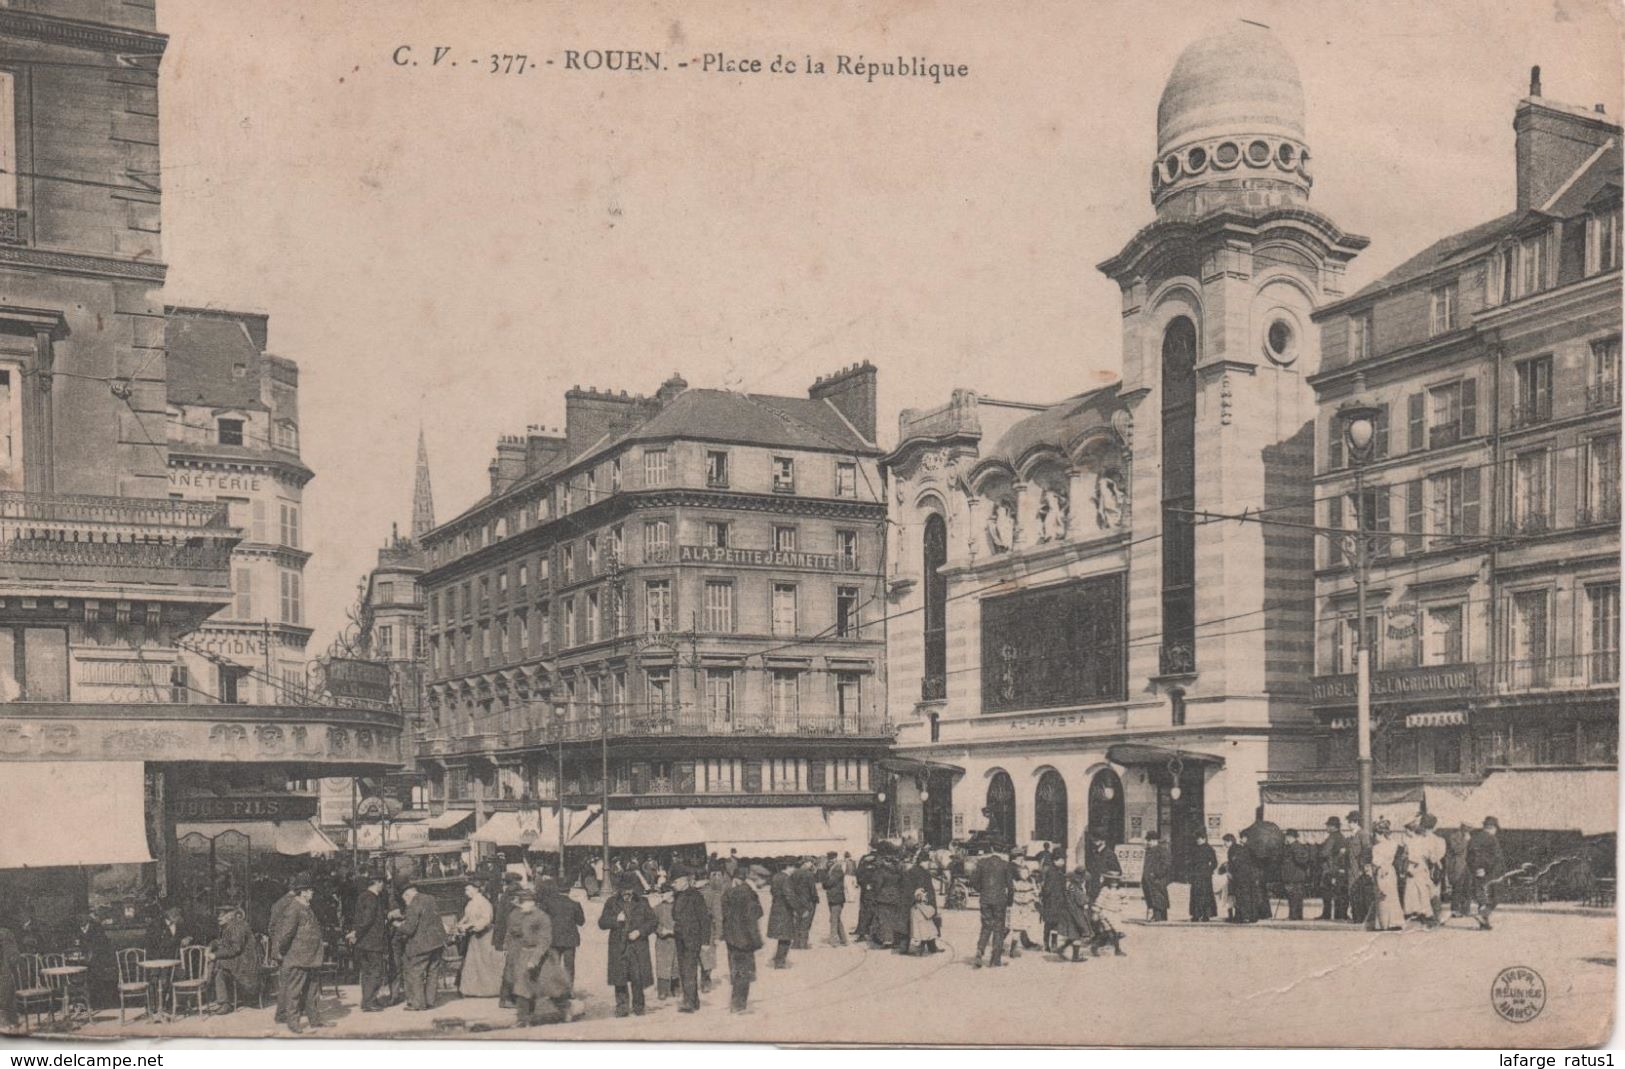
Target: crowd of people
{"x":669,"y":922}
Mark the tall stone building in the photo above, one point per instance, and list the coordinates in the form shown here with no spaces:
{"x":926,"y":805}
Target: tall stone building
{"x":110,"y":749}
{"x":677,"y":600}
{"x":1492,"y":360}
{"x":1071,"y":647}
{"x":233,"y":432}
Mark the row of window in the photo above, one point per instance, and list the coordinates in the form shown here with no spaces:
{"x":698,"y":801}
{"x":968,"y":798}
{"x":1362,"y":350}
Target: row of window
{"x":783,"y":775}
{"x":1436,"y":633}
{"x":1447,"y":413}
{"x":599,"y":554}
{"x":1515,"y":270}
{"x":564,"y":498}
{"x":595,"y":615}
{"x":1443,"y":507}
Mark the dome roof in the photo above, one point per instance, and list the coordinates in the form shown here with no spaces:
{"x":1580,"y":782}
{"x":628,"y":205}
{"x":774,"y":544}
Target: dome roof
{"x":1241,"y":82}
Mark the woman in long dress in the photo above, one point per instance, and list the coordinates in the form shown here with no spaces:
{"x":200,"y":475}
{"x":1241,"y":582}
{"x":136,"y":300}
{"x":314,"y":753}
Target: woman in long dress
{"x":1388,"y":914}
{"x":482,"y":961}
{"x":1423,"y":851}
{"x":1072,"y":927}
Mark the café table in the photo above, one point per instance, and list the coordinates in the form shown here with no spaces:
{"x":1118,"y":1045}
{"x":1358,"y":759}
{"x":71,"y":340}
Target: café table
{"x":72,"y":983}
{"x":160,"y":974}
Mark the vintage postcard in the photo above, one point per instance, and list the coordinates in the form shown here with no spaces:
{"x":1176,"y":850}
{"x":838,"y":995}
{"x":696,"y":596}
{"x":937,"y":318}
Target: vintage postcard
{"x":888,"y":523}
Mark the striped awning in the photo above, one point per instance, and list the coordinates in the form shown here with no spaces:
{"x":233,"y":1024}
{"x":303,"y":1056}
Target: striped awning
{"x":1448,"y":718}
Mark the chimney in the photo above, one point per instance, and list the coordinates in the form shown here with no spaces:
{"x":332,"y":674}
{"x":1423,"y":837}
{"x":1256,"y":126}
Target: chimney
{"x":591,"y":414}
{"x":508,"y":467}
{"x":544,"y":450}
{"x":852,"y":391}
{"x":1553,"y":141}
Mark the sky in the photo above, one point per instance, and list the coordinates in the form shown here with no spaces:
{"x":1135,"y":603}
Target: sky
{"x":446,"y":247}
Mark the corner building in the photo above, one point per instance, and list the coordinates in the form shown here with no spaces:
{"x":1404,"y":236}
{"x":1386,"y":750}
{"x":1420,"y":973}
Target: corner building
{"x":1492,"y":357}
{"x":1070,"y":649}
{"x":681,"y":591}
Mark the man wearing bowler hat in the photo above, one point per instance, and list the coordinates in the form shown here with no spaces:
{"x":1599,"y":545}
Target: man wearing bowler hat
{"x":1485,"y":866}
{"x":1334,"y":873}
{"x":298,"y":945}
{"x":742,"y":931}
{"x":423,"y":939}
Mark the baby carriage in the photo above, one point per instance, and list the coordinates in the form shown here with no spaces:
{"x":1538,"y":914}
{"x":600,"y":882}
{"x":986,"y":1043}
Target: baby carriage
{"x":1103,"y":933}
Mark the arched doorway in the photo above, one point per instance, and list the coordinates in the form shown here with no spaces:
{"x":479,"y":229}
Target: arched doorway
{"x":1049,"y":809}
{"x":1106,"y":807}
{"x":1001,"y":808}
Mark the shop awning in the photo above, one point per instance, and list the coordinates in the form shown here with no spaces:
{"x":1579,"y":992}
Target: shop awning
{"x":291,"y":838}
{"x":1308,"y":816}
{"x":1142,"y":753}
{"x":448,"y":820}
{"x":73,"y":813}
{"x":788,"y":831}
{"x":640,"y":827}
{"x":1536,"y":799}
{"x":914,"y":766}
{"x":507,"y":828}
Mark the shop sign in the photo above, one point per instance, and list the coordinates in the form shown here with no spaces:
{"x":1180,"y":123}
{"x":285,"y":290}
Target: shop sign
{"x":365,"y":680}
{"x":760,"y":558}
{"x":215,"y":481}
{"x":245,"y":807}
{"x":1400,"y":684}
{"x":194,"y":740}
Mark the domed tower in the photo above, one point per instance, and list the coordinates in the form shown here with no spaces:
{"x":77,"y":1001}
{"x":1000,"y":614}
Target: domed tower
{"x":1230,"y":129}
{"x":1218,"y":348}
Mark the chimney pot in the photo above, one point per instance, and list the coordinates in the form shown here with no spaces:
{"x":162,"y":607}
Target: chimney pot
{"x":1600,"y":109}
{"x":1534,"y":81}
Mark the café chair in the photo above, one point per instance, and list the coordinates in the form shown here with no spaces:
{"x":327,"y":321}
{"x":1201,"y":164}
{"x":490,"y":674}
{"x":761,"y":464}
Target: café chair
{"x":132,"y":984}
{"x":58,"y":991}
{"x":268,"y":987}
{"x":193,"y":980}
{"x":33,"y":993}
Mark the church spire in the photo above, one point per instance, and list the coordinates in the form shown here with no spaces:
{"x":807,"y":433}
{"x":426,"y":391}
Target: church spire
{"x":422,"y":494}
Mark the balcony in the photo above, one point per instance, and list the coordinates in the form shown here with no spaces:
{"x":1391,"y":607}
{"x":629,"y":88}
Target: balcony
{"x":1529,"y":523}
{"x":1444,"y":434}
{"x":1529,"y":413}
{"x":1598,"y":513}
{"x":1574,"y":672}
{"x":681,"y":724}
{"x":1601,"y":396}
{"x":11,"y":227}
{"x":934,"y":688}
{"x":60,"y":539}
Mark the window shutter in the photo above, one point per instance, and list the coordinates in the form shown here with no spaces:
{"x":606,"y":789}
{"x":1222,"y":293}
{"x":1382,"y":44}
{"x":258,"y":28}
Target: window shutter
{"x":1334,"y":443}
{"x":1469,"y":501}
{"x":1334,"y":520}
{"x":1416,"y":417}
{"x":1469,"y":407}
{"x":1413,"y":516}
{"x":1384,"y":498}
{"x":1379,"y":443}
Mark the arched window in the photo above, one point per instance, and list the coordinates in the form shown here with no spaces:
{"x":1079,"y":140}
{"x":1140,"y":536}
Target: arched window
{"x":1049,"y":809}
{"x":1001,"y":808}
{"x":934,"y":686}
{"x":1178,"y":652}
{"x":1106,"y":807}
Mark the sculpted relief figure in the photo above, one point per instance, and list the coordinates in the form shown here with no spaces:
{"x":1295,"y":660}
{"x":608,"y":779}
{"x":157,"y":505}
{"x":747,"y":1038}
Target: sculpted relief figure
{"x":1001,"y":527}
{"x":1052,"y":516}
{"x":1108,"y":500}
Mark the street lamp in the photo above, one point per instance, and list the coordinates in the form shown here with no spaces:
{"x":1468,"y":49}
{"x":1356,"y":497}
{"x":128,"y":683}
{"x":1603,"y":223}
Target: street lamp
{"x":558,"y":787}
{"x":1359,"y":435}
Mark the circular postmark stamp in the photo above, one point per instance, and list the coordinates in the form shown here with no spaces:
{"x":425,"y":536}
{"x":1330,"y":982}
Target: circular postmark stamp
{"x":1518,"y":994}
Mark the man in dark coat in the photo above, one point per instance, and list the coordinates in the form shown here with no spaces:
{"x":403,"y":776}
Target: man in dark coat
{"x":782,"y":924}
{"x":805,"y":886}
{"x":1051,"y":899}
{"x":273,"y":924}
{"x":89,"y":940}
{"x":567,"y":917}
{"x":1362,"y":892}
{"x":1456,"y":871}
{"x":236,"y":956}
{"x":1155,"y":875}
{"x":630,"y":922}
{"x":1294,"y":874}
{"x":1203,"y":863}
{"x":691,"y":922}
{"x":164,"y":941}
{"x":423,"y":941}
{"x":995,"y":886}
{"x":1485,"y":865}
{"x":891,"y":908}
{"x":1245,"y":888}
{"x":1099,"y":864}
{"x":867,"y":876}
{"x":10,"y":959}
{"x":529,"y":941}
{"x":834,"y":882}
{"x":298,"y":945}
{"x":370,"y":941}
{"x":1334,"y":872}
{"x":502,"y":910}
{"x":742,"y":932}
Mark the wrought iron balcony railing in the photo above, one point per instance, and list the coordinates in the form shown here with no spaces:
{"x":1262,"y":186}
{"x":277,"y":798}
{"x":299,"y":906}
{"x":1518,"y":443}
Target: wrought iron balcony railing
{"x":84,"y":531}
{"x":674,"y":723}
{"x":934,"y":688}
{"x":1602,"y":395}
{"x":1529,"y":413}
{"x":1176,"y":659}
{"x":1574,"y":672}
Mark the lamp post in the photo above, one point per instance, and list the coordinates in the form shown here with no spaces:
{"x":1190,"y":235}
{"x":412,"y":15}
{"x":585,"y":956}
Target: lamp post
{"x":558,"y":782}
{"x":1359,"y":435}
